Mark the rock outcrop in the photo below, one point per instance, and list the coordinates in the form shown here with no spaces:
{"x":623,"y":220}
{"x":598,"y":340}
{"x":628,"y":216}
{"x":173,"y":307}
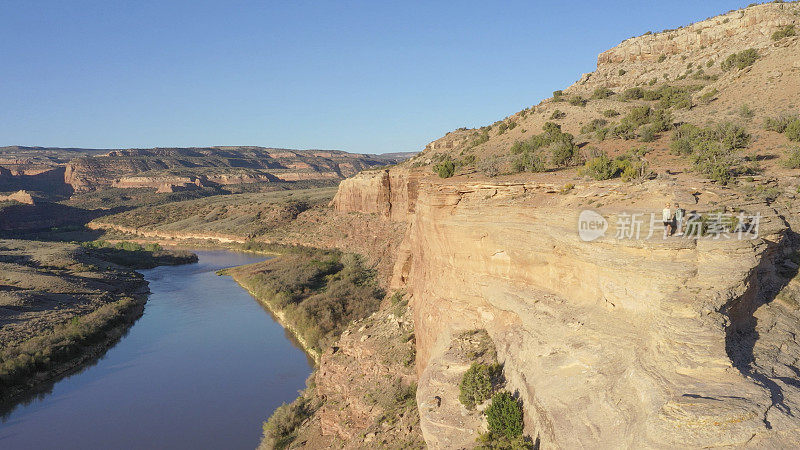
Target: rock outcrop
{"x":170,"y":168}
{"x":628,"y":343}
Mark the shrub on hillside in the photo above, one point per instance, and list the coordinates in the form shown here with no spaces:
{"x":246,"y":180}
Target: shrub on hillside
{"x":793,"y":158}
{"x":783,"y":32}
{"x":505,"y":415}
{"x":558,"y":96}
{"x":629,"y":166}
{"x":793,"y":130}
{"x":557,"y":114}
{"x":280,"y":428}
{"x":740,"y":60}
{"x":779,"y":124}
{"x":610,"y":113}
{"x":601,"y":93}
{"x":478,"y":383}
{"x":445,"y":169}
{"x":713,"y":150}
{"x":593,"y":126}
{"x":600,"y":168}
{"x":577,"y":100}
{"x":560,"y":145}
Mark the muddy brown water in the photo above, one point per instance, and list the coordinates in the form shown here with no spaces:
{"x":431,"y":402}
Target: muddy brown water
{"x":202,"y":368}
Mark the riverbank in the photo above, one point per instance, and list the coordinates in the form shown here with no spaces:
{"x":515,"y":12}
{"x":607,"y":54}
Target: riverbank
{"x":63,"y":305}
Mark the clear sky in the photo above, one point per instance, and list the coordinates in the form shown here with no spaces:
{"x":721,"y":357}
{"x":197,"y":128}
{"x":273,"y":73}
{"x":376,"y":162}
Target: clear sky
{"x":362,"y":76}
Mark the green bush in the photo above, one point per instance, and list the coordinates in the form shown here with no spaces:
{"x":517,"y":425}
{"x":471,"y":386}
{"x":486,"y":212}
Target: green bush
{"x":445,"y":169}
{"x":793,"y":130}
{"x":662,"y":58}
{"x":746,"y":112}
{"x":634,"y":93}
{"x":647,"y":134}
{"x":713,"y":150}
{"x":557,"y":114}
{"x":793,"y":158}
{"x":660,"y":120}
{"x":600,"y":168}
{"x":560,"y":145}
{"x":529,"y":162}
{"x":577,"y":100}
{"x":281,"y":426}
{"x":783,"y":32}
{"x":558,"y":96}
{"x":709,"y":96}
{"x":593,"y":126}
{"x":601,"y":93}
{"x":779,"y":124}
{"x":477,"y":384}
{"x":505,"y":415}
{"x":740,"y":60}
{"x":629,"y":166}
{"x":610,"y":113}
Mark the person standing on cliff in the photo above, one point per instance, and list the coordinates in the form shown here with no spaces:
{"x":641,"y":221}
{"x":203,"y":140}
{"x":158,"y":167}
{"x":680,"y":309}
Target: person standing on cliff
{"x":679,"y":214}
{"x":666,"y":217}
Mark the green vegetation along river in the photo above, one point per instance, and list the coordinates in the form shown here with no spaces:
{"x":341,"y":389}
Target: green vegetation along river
{"x":202,"y":368}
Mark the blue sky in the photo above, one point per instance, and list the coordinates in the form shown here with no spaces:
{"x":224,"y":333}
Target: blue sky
{"x":362,"y":76}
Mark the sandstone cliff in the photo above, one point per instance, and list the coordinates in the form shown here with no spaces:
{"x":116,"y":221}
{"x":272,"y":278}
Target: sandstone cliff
{"x":624,"y":343}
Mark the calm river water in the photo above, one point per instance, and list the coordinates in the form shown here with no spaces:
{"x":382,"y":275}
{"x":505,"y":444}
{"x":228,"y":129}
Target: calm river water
{"x":202,"y":368}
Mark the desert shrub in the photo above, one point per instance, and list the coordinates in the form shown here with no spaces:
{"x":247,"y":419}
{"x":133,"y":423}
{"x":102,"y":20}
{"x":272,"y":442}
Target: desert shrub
{"x":660,"y":120}
{"x":746,"y":112}
{"x":783,"y":32}
{"x":740,"y":60}
{"x":562,"y":152}
{"x":557,"y":114}
{"x":628,"y":166}
{"x":601,"y":134}
{"x":505,"y":415}
{"x":662,"y":58}
{"x":558,"y":96}
{"x":634,"y":93}
{"x":780,"y":123}
{"x":529,"y":162}
{"x":593,"y":126}
{"x":577,"y":100}
{"x":490,"y":166}
{"x":560,"y":145}
{"x":610,"y":113}
{"x":647,"y":134}
{"x":793,"y":130}
{"x":600,"y":168}
{"x":709,"y":96}
{"x":601,"y":93}
{"x":280,"y":429}
{"x":478,"y":383}
{"x":713,"y":150}
{"x":793,"y":158}
{"x":490,"y":441}
{"x":445,"y":169}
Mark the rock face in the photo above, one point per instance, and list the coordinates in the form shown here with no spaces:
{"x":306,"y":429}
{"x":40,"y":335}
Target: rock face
{"x":631,"y":343}
{"x":669,"y":52}
{"x":389,"y":193}
{"x":170,"y":168}
{"x":19,"y":197}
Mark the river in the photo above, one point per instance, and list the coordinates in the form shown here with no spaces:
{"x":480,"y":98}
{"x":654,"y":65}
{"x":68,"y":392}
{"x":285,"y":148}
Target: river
{"x":202,"y":368}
